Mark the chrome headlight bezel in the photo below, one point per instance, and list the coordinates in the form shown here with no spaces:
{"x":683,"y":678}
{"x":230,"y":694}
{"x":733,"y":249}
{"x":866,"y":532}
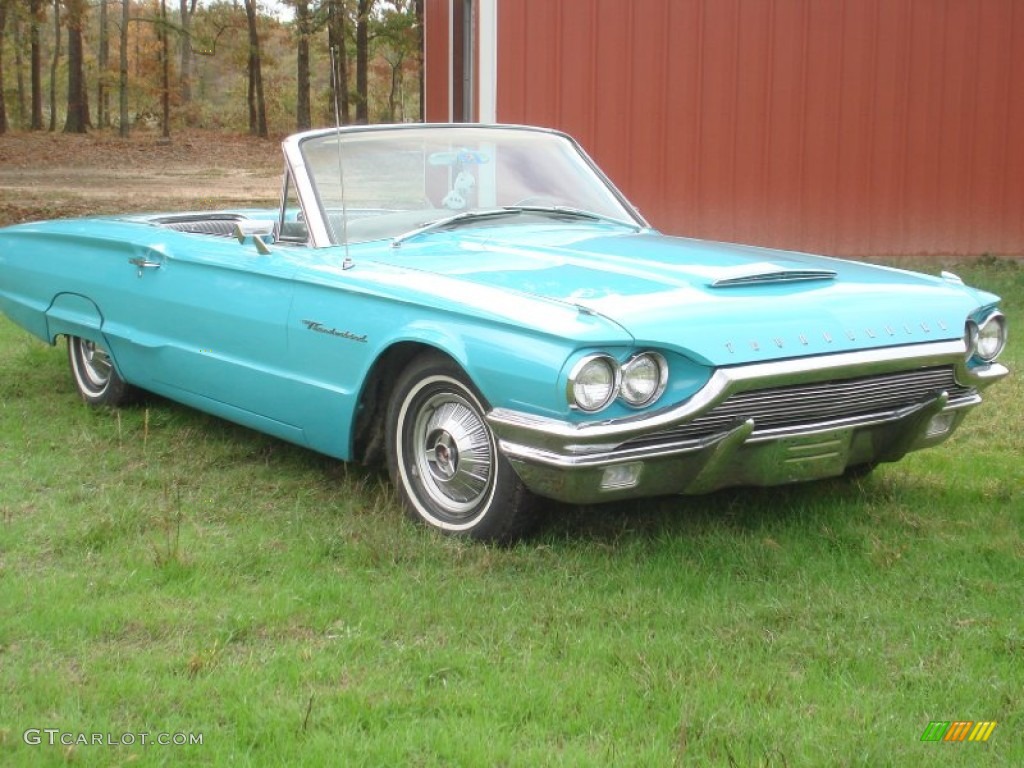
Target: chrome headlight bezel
{"x":605,"y":372}
{"x":970,"y":339}
{"x":986,"y":340}
{"x":578,"y":377}
{"x":660,"y":380}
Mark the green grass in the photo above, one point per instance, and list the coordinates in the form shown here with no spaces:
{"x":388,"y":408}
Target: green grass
{"x":166,"y":572}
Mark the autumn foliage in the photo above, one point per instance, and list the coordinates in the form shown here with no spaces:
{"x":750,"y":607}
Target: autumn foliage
{"x":173,"y":65}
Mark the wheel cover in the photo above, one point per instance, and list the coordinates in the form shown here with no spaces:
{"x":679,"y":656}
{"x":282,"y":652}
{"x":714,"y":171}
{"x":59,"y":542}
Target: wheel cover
{"x":453,"y":453}
{"x":96,"y":366}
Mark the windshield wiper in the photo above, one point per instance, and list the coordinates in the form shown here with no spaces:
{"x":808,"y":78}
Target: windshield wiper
{"x":452,"y":221}
{"x":561,"y":211}
{"x":566,"y":211}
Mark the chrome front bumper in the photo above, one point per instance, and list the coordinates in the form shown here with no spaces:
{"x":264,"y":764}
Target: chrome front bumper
{"x":642,"y":456}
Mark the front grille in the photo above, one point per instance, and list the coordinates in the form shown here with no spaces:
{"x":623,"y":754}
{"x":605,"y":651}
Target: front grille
{"x":802,"y":405}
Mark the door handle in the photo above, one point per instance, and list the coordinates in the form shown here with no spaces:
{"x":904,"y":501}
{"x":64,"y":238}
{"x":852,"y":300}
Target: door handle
{"x":143,"y":263}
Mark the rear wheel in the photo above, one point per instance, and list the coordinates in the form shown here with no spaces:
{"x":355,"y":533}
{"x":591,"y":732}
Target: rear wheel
{"x":444,"y":460}
{"x":94,"y":374}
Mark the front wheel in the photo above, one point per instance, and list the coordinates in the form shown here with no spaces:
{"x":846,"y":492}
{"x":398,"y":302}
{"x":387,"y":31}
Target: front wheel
{"x":95,"y":377}
{"x":444,"y":460}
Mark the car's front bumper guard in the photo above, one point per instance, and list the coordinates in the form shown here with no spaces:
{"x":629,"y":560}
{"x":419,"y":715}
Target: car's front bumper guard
{"x":594,"y":462}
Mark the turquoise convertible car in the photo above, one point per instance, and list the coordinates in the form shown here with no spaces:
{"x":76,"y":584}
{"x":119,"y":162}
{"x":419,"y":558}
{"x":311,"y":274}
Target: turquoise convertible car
{"x":481,"y":309}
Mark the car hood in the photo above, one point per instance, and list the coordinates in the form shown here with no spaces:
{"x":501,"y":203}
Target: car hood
{"x":718,"y":303}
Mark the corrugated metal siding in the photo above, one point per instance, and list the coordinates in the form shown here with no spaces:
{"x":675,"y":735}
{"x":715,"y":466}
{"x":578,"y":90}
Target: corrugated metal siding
{"x":852,"y":127}
{"x":437,"y":61}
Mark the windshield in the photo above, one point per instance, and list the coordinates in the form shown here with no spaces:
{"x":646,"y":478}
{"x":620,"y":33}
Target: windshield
{"x":374,"y":184}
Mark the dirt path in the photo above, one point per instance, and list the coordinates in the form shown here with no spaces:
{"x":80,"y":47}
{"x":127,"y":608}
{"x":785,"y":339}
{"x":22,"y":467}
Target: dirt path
{"x":46,"y":175}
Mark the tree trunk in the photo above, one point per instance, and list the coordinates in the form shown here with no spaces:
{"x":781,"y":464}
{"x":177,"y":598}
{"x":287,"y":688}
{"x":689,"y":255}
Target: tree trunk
{"x":419,"y":48}
{"x":36,"y":65}
{"x":394,"y":96}
{"x":19,"y":72}
{"x":77,"y":120}
{"x":55,"y":62}
{"x":3,"y":105}
{"x":188,"y":8}
{"x":362,"y":61}
{"x":103,"y":64}
{"x":257,"y":104}
{"x":122,"y":84}
{"x":336,"y":40}
{"x":303,"y":119}
{"x":165,"y":71}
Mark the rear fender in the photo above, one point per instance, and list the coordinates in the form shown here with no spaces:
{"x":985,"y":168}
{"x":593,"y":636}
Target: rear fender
{"x":70,"y":314}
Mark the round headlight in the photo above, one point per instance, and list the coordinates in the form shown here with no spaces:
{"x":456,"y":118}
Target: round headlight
{"x":643,"y":379}
{"x":991,"y":337}
{"x":593,"y":383}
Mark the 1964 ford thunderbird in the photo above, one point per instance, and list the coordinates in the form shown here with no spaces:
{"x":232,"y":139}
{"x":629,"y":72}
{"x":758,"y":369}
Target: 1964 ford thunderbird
{"x":480,"y":307}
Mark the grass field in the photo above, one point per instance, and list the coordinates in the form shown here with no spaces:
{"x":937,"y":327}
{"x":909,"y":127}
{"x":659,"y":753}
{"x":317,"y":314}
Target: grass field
{"x":163,"y":572}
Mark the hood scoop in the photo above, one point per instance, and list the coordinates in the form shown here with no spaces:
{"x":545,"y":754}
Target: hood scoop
{"x":773,"y":275}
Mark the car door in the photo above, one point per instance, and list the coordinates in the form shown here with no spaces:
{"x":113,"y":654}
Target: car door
{"x":205,"y":319}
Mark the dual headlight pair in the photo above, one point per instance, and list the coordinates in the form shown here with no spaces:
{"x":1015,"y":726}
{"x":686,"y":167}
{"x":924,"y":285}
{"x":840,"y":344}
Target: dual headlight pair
{"x":597,"y":380}
{"x":985,"y":340}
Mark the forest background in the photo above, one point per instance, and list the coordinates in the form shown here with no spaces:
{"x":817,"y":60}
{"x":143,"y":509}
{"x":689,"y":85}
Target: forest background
{"x":237,"y":65}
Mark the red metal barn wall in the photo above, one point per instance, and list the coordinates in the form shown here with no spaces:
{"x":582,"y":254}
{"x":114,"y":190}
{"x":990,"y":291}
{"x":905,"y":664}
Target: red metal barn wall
{"x":850,"y":127}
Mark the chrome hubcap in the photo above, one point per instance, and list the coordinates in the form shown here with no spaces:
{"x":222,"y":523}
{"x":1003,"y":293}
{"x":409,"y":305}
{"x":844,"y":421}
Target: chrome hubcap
{"x":96,"y":365}
{"x":453,"y":453}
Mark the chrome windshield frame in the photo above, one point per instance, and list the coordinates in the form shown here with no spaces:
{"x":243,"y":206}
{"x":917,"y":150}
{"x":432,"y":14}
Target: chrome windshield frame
{"x":315,"y":216}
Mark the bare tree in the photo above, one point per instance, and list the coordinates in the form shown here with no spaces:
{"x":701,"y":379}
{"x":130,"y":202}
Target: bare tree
{"x":257,"y":104}
{"x":122,"y":79}
{"x":303,"y":119}
{"x":362,"y":60}
{"x":165,"y":71}
{"x":77,"y":120}
{"x":357,"y":30}
{"x":397,"y":38}
{"x":103,"y":64}
{"x":419,"y":48}
{"x":3,"y":105}
{"x":35,"y":9}
{"x":19,"y":64}
{"x":336,"y":41}
{"x":54,"y":63}
{"x":188,"y":9}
